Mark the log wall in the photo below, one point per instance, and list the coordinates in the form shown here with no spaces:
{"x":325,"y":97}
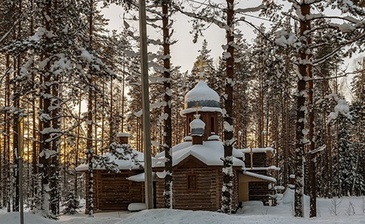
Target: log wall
{"x":206,"y":196}
{"x":112,"y":191}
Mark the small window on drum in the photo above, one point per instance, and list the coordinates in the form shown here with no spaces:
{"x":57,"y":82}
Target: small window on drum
{"x":212,"y":127}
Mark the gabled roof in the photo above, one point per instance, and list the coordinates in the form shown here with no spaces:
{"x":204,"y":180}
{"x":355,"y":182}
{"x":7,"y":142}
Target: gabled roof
{"x":210,"y":153}
{"x":123,"y":164}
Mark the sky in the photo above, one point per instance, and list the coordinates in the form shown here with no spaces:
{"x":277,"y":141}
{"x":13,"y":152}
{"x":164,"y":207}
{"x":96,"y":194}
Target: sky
{"x":185,"y":52}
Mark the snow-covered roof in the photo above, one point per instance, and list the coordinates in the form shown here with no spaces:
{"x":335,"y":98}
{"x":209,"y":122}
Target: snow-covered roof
{"x":197,"y":123}
{"x":140,"y":177}
{"x":263,"y":168}
{"x":201,"y":98}
{"x":210,"y":153}
{"x":260,"y":176}
{"x":123,"y":164}
{"x":214,"y":137}
{"x":257,"y":150}
{"x":123,"y":134}
{"x":197,"y":126}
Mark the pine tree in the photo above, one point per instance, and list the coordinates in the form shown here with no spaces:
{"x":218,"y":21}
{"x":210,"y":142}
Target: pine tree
{"x":203,"y":68}
{"x":305,"y":48}
{"x":346,"y":158}
{"x":358,"y":145}
{"x":241,"y":90}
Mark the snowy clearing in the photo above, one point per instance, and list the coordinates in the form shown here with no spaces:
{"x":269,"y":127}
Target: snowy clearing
{"x":348,"y":210}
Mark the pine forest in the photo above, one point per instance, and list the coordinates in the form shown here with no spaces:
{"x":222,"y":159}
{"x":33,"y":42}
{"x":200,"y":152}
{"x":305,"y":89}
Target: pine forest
{"x":69,"y":86}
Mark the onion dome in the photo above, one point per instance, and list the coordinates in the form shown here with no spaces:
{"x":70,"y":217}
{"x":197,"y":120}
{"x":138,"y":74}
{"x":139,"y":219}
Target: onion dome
{"x":201,"y":98}
{"x":197,"y":126}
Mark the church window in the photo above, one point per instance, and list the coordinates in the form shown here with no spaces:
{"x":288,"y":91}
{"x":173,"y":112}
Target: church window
{"x":212,"y":127}
{"x":192,"y":184}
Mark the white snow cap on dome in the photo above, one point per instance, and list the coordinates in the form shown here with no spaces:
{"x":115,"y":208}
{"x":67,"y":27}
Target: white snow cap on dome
{"x":201,"y":99}
{"x":201,"y":92}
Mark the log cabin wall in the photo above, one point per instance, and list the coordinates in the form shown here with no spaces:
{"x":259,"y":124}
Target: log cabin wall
{"x":112,"y":191}
{"x":206,"y":194}
{"x":258,"y":191}
{"x":258,"y":158}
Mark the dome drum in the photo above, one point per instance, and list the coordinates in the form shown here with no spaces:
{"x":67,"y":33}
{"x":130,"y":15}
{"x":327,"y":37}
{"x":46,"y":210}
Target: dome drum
{"x":202,"y":103}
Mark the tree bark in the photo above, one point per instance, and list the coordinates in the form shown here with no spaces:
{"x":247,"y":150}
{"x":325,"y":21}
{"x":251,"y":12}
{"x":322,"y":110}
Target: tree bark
{"x":300,"y":118}
{"x":54,"y":167}
{"x":89,"y":135}
{"x":228,"y":121}
{"x":167,"y":136}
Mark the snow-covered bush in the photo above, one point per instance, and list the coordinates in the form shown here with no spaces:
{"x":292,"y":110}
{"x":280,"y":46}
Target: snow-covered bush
{"x":71,"y":205}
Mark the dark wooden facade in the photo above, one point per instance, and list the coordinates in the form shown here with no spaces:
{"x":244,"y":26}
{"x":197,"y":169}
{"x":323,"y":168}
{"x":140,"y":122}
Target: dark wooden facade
{"x":112,"y":191}
{"x":196,"y":186}
{"x":259,"y":159}
{"x":258,"y":190}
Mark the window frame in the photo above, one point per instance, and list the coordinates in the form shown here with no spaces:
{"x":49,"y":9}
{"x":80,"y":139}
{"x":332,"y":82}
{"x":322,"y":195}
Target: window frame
{"x":191,"y":182}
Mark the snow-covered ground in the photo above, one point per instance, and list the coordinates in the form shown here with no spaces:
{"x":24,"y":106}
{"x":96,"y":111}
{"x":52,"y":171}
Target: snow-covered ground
{"x":330,"y":211}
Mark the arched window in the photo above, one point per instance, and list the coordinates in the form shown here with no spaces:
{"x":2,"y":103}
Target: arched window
{"x":212,"y":125}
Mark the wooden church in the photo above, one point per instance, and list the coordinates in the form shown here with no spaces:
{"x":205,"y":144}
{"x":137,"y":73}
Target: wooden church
{"x":197,"y":166}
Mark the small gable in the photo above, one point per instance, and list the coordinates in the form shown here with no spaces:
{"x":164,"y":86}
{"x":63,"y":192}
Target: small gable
{"x":190,"y":162}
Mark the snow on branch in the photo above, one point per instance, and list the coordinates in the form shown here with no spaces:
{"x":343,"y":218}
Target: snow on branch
{"x":208,"y":19}
{"x":253,"y":9}
{"x":342,"y":108}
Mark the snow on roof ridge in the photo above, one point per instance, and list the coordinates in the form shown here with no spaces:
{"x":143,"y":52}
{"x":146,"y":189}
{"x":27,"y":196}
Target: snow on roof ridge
{"x":209,"y":153}
{"x":257,"y":150}
{"x":260,"y":176}
{"x":123,"y":134}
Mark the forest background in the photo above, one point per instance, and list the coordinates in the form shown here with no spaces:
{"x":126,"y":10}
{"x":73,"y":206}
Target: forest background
{"x":75,"y":86}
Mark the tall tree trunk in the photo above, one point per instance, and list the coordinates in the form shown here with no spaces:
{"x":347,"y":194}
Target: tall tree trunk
{"x":89,"y":134}
{"x":16,"y":116}
{"x":34,"y":181}
{"x":311,"y":156}
{"x":56,"y":138}
{"x":34,"y":176}
{"x":16,"y":105}
{"x":167,"y":137}
{"x":113,"y":129}
{"x":77,"y":149}
{"x":46,"y":118}
{"x":7,"y":137}
{"x":300,"y":118}
{"x":5,"y":187}
{"x":45,"y":146}
{"x":228,"y":117}
{"x":2,"y":168}
{"x":95,"y":117}
{"x":123,"y":99}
